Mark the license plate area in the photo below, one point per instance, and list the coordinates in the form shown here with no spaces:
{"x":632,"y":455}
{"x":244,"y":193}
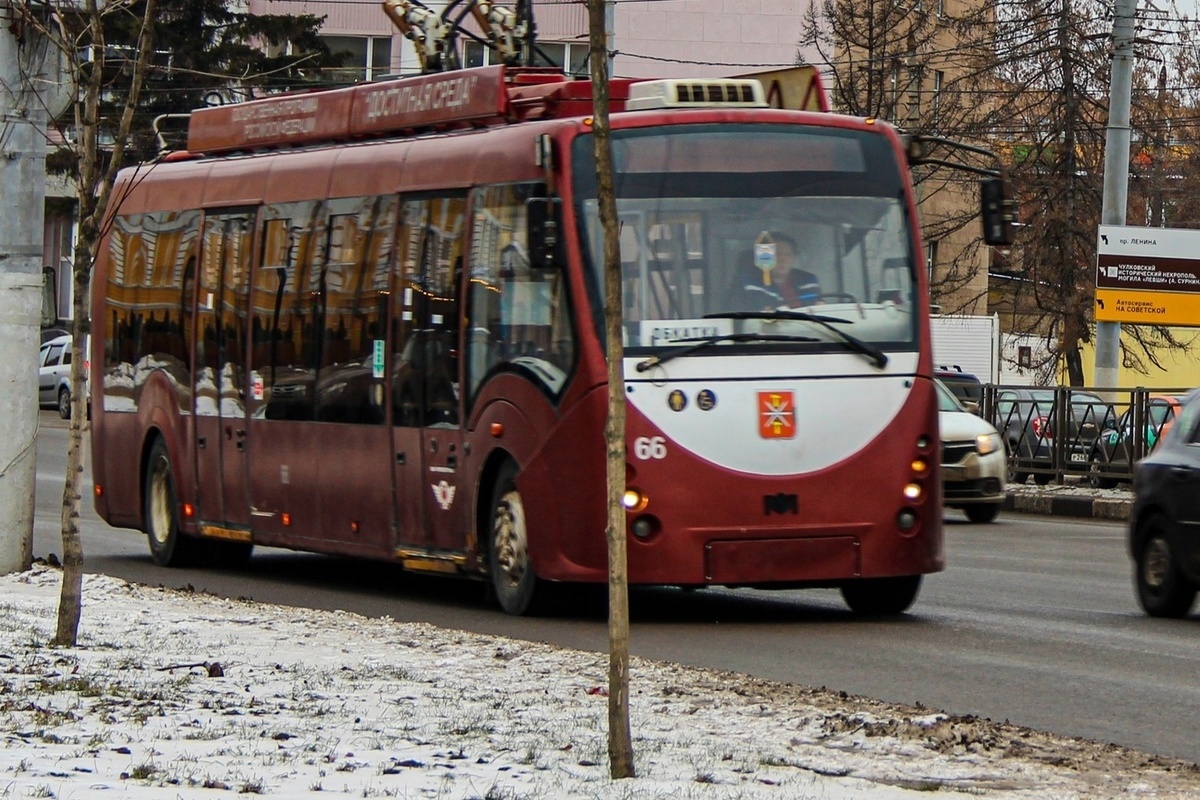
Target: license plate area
{"x":771,"y":560}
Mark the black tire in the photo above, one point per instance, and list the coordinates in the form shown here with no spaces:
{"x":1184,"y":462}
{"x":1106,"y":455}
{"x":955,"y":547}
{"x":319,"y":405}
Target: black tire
{"x":1015,"y":474}
{"x":1096,"y":477}
{"x":64,"y":403}
{"x":514,"y":582}
{"x":1162,"y":588}
{"x":982,"y":512}
{"x":881,"y":597}
{"x":1042,"y":478}
{"x":168,"y":547}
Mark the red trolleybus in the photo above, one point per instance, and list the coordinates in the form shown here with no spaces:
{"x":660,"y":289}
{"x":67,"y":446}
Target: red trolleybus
{"x":369,"y":321}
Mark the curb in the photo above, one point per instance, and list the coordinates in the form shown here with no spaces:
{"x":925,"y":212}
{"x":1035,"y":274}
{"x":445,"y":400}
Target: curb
{"x":1062,"y":506}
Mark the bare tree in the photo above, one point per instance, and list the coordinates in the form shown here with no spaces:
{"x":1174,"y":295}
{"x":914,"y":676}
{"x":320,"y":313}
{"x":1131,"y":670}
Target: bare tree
{"x":620,"y":740}
{"x":77,"y":32}
{"x":914,"y":64}
{"x":1028,"y":78}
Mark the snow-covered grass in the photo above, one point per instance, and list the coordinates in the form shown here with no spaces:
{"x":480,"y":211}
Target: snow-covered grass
{"x":178,"y":695}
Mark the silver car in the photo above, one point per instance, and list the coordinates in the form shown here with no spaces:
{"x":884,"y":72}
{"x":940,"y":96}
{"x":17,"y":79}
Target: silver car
{"x":54,"y":375}
{"x":973,"y":460}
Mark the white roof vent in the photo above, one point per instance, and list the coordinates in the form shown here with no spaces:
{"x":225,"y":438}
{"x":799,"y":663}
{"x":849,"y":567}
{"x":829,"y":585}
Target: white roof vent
{"x":720,"y":92}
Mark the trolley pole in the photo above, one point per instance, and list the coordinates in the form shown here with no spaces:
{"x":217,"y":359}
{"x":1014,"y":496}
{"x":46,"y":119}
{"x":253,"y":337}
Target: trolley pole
{"x":1116,"y":172}
{"x":22,"y":196}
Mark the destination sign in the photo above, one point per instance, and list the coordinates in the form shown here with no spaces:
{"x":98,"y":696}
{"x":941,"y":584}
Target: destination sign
{"x":1147,"y":275}
{"x":382,"y":107}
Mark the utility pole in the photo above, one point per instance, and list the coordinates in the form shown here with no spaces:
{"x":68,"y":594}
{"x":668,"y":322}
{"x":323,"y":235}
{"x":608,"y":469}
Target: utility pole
{"x":22,"y":197}
{"x":1116,"y":172}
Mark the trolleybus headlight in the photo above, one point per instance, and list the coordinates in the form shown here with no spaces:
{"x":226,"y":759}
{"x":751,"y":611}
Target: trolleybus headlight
{"x":913,"y":492}
{"x":634,"y":500}
{"x":923,"y":443}
{"x":919,"y":466}
{"x":906,"y":520}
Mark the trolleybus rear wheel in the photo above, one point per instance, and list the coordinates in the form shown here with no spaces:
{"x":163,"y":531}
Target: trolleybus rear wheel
{"x":513,"y":578}
{"x":881,"y":596}
{"x":168,"y":546}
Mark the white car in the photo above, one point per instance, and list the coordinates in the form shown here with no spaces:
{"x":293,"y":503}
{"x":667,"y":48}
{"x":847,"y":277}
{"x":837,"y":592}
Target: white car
{"x":54,"y":375}
{"x":974,"y":463}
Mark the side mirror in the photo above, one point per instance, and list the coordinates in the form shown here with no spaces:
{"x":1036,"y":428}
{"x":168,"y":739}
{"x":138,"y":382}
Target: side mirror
{"x":542,"y":218}
{"x":997,"y":211}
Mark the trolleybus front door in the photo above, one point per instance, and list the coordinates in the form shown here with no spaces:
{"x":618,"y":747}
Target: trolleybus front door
{"x":222,"y":286}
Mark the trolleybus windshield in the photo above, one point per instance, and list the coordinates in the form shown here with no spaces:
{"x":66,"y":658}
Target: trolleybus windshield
{"x":719,"y":223}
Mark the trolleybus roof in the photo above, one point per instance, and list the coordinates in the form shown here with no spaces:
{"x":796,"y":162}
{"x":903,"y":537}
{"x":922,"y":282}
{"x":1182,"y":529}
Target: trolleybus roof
{"x":476,"y":97}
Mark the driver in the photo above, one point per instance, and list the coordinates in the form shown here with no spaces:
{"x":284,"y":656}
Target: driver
{"x":774,"y":280}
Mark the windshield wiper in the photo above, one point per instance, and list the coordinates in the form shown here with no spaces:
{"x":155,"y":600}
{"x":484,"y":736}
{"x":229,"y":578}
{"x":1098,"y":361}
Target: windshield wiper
{"x":700,"y":342}
{"x":877,"y":356}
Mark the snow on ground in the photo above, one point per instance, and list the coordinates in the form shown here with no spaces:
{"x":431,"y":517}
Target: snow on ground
{"x":177,"y":695}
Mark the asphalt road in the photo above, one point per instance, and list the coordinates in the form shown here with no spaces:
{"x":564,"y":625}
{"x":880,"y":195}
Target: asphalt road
{"x":1033,"y":622}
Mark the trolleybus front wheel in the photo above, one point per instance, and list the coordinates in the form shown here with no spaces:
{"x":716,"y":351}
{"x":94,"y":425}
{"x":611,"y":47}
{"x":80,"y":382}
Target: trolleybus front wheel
{"x":168,"y":546}
{"x":878,"y":597}
{"x":513,"y":579}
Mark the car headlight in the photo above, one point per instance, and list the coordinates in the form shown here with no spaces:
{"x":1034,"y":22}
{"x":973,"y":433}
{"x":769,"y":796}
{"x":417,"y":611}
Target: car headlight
{"x":987,"y":443}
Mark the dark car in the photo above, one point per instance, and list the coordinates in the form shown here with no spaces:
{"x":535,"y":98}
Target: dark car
{"x":1164,"y":521}
{"x":1118,"y":445}
{"x":1033,"y":432}
{"x":963,"y":385}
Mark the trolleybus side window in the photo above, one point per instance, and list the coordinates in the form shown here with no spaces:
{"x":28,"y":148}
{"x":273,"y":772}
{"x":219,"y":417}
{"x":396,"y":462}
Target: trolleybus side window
{"x":320,"y":305}
{"x":519,"y":316}
{"x":148,"y":313}
{"x":221,"y":314}
{"x":353,"y":292}
{"x":425,"y":325}
{"x":283,"y":335}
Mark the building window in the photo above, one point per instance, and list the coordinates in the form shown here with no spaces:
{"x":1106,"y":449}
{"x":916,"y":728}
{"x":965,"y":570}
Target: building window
{"x":364,"y":58}
{"x":931,"y":252}
{"x":570,"y":56}
{"x":939,"y":78}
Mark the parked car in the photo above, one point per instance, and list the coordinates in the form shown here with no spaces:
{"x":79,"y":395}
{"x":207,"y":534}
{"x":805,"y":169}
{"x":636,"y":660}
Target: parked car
{"x":54,"y":375}
{"x":973,"y":460}
{"x":1164,"y":520}
{"x":1026,"y":418}
{"x":1117,"y":446}
{"x":963,"y":385}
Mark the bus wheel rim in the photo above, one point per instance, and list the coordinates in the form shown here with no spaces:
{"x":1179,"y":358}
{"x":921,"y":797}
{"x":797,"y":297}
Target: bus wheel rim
{"x":1158,"y":559}
{"x":160,"y":506}
{"x":509,"y":540}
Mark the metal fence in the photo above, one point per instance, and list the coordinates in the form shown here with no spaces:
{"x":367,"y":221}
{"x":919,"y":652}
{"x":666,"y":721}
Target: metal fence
{"x":1054,"y":433}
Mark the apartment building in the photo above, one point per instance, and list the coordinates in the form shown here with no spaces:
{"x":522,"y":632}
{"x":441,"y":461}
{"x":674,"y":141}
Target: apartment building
{"x":652,"y":38}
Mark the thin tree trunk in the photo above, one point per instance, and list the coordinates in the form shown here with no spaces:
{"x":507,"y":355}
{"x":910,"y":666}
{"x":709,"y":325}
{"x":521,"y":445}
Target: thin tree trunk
{"x":70,"y":603}
{"x":620,"y":746}
{"x":93,"y":189}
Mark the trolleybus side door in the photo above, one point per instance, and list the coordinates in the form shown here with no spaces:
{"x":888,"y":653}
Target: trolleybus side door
{"x":431,"y":487}
{"x":222,"y":286}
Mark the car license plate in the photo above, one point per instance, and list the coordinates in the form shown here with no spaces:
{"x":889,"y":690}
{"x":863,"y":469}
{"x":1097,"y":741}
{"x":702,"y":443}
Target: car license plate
{"x":1079,"y":457}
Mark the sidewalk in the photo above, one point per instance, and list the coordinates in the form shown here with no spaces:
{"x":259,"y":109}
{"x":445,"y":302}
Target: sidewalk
{"x":1070,"y":500}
